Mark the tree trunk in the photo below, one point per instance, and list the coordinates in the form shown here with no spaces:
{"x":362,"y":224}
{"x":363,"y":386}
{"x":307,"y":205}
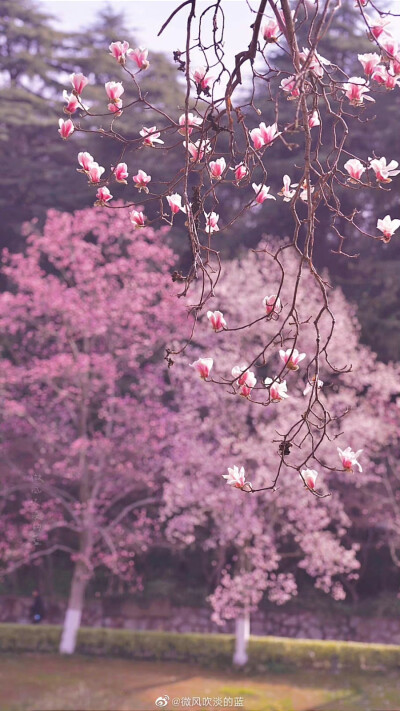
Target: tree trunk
{"x":74,"y":611}
{"x":242,"y":635}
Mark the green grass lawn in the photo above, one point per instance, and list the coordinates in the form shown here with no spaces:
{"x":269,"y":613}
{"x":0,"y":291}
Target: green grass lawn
{"x":42,"y":682}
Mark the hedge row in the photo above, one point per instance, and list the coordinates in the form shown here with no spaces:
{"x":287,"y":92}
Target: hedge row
{"x":265,"y":653}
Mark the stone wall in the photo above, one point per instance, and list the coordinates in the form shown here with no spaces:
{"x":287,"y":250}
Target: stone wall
{"x":160,"y":615}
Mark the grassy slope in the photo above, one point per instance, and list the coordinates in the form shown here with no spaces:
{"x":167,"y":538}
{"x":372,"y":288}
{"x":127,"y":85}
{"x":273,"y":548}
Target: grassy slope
{"x":29,"y":682}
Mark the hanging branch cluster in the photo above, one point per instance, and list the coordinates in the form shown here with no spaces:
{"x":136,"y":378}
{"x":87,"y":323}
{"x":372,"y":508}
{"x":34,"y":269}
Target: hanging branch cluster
{"x":224,"y":142}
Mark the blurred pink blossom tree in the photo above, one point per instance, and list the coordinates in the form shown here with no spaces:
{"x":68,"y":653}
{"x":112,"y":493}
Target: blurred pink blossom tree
{"x":84,"y":321}
{"x":258,"y":544}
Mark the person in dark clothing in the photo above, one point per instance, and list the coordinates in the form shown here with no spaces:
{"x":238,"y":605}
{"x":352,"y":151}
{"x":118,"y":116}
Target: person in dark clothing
{"x":37,"y":608}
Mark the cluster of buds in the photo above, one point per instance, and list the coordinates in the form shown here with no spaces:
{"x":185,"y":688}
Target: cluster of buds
{"x":73,"y":100}
{"x":120,"y":51}
{"x":291,"y":86}
{"x":246,"y":379}
{"x":114,"y":91}
{"x":236,"y":477}
{"x":383,"y":68}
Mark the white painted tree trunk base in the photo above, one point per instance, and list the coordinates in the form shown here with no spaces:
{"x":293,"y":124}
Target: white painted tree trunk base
{"x":70,"y":630}
{"x":242,"y":634}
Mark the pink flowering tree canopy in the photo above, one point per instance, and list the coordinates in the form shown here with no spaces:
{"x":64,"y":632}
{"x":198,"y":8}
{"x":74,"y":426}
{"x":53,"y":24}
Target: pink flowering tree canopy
{"x":85,"y":316}
{"x":258,"y":545}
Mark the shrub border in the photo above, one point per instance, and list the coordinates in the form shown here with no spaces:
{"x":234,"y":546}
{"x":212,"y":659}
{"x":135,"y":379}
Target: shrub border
{"x":209,"y":650}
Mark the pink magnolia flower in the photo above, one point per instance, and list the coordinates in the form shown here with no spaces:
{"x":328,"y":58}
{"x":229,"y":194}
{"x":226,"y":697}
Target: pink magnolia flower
{"x":139,"y":56}
{"x":304,"y":192}
{"x":310,"y":386}
{"x":277,"y":390}
{"x":211,"y":222}
{"x":390,"y":45}
{"x":66,"y":128}
{"x":246,"y":388}
{"x":262,"y":193}
{"x":313,"y":119}
{"x":256,"y":137}
{"x":355,"y":169}
{"x":85,"y":160}
{"x":200,"y":77}
{"x":309,"y":477}
{"x":118,"y":50}
{"x":377,"y":26}
{"x":289,"y":84}
{"x":121,"y":173}
{"x":269,"y":133}
{"x":356,"y":90}
{"x":78,"y":81}
{"x":175,"y":202}
{"x":291,"y":358}
{"x":391,"y":81}
{"x":380,"y":75}
{"x":272,"y":304}
{"x":388,"y":227}
{"x":72,"y":102}
{"x":384,"y":172}
{"x":240,"y":171}
{"x":115,"y":107}
{"x":369,"y":62}
{"x":395,"y":65}
{"x":137,"y":218}
{"x":203,"y":367}
{"x":236,"y":477}
{"x":245,"y":378}
{"x":385,"y":78}
{"x":264,"y":135}
{"x":95,"y":172}
{"x":217,"y":167}
{"x":217,"y":321}
{"x":240,"y":373}
{"x":198,"y":149}
{"x":141,"y":179}
{"x":349,"y":458}
{"x":316,"y":63}
{"x":288,"y":189}
{"x":192,"y":122}
{"x":103,"y":195}
{"x":114,"y":90}
{"x":270,"y":30}
{"x":151,"y":136}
